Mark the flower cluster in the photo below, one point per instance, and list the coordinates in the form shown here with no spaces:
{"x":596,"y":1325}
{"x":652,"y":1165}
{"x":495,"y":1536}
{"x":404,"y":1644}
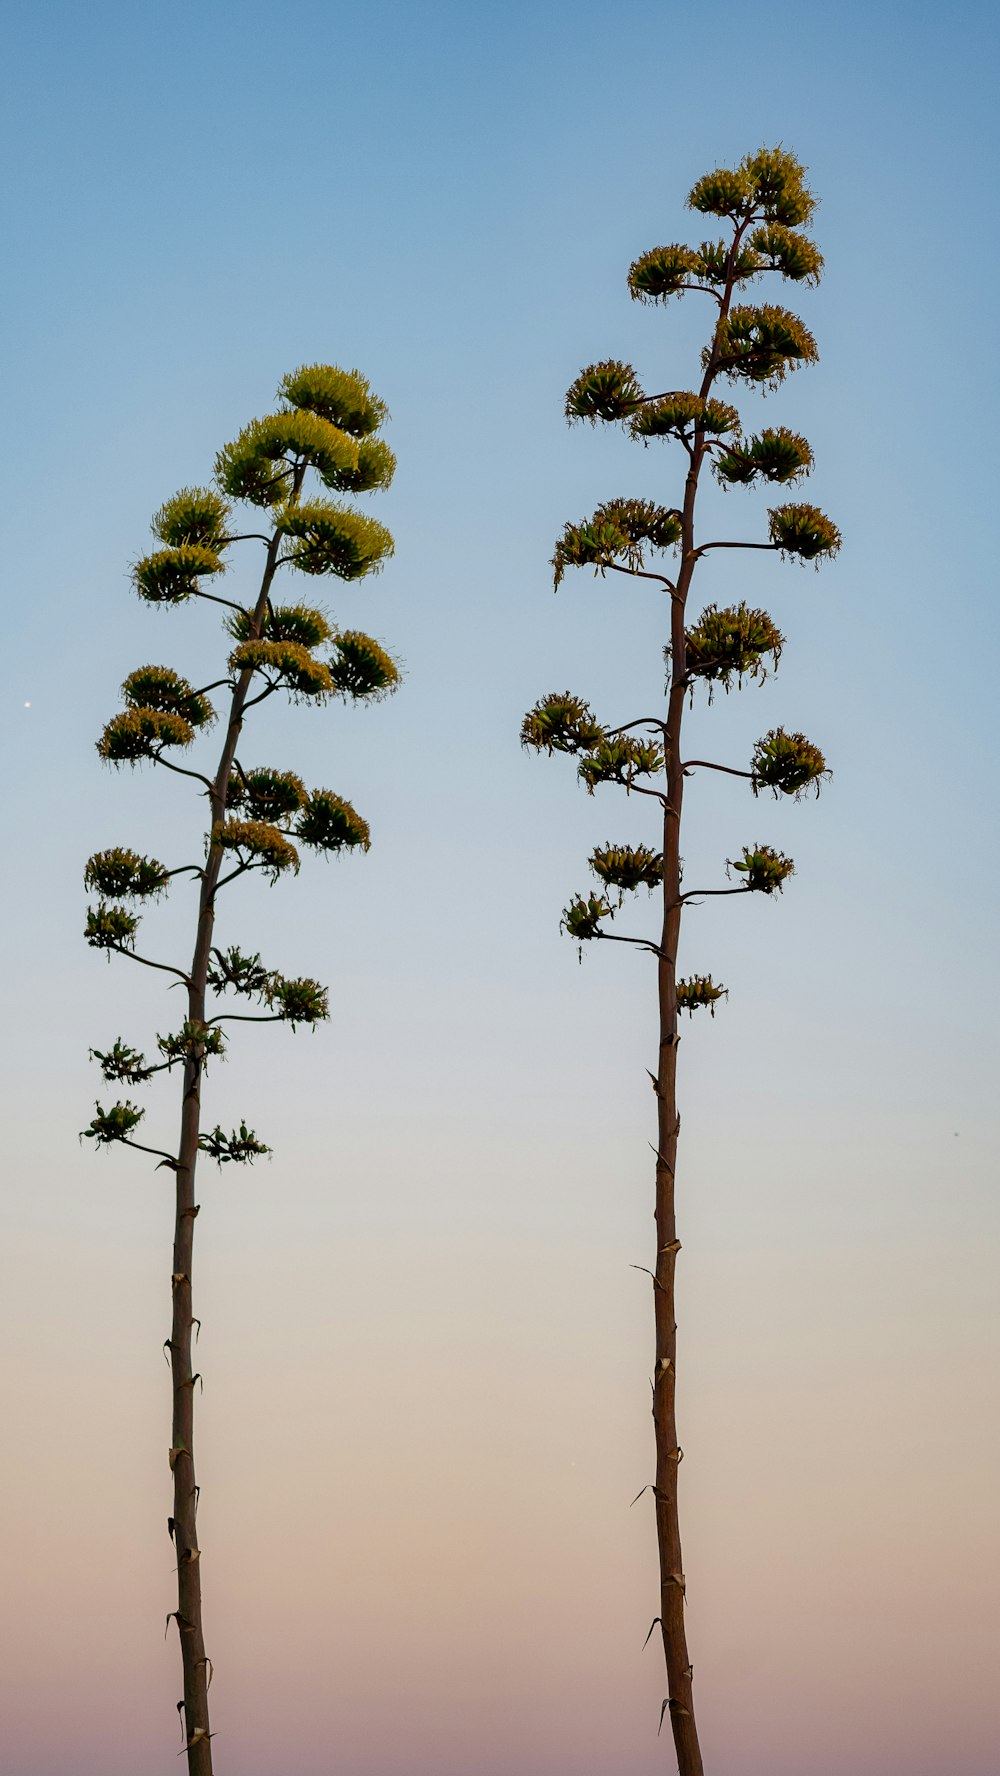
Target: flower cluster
{"x":733,"y":643}
{"x":764,"y":869}
{"x":699,"y":992}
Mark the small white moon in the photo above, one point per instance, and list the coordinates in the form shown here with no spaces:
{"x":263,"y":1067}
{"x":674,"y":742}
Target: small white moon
{"x":27,"y":706}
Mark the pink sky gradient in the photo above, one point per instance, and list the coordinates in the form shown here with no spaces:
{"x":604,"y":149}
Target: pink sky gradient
{"x":425,"y":1356}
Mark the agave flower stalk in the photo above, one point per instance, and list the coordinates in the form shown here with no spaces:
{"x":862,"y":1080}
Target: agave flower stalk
{"x":327,"y":427}
{"x":764,"y":207}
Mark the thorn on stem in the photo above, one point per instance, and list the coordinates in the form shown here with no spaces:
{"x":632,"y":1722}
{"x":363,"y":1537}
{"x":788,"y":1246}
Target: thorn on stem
{"x":200,"y":1736}
{"x":649,"y":1636}
{"x":647,"y":1272}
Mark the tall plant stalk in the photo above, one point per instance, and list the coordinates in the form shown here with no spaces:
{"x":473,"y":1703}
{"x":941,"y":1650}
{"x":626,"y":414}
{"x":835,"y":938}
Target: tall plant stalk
{"x":766,"y":206}
{"x":327,"y":424}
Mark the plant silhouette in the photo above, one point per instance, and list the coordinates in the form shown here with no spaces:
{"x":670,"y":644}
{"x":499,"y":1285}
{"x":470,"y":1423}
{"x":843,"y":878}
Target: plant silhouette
{"x":764,"y":207}
{"x":257,"y":817}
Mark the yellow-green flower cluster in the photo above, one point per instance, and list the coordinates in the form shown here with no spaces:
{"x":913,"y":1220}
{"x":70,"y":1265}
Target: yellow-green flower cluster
{"x":329,"y":823}
{"x":698,"y":992}
{"x":731,"y":643}
{"x":258,"y":845}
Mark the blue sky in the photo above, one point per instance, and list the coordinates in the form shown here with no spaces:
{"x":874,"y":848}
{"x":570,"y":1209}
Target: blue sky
{"x":199,"y":198}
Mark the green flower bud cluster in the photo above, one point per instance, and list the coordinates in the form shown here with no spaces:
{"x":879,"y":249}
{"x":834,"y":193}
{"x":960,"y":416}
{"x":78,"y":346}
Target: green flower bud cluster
{"x":298,"y":623}
{"x":111,"y":1125}
{"x":241,"y":1147}
{"x":787,"y":764}
{"x":803,"y":531}
{"x":342,"y":397}
{"x":793,"y":254}
{"x":627,"y":867}
{"x":110,"y":927}
{"x":699,"y":991}
{"x":122,"y":1062}
{"x":243,"y":974}
{"x":770,"y":183}
{"x":160,"y":688}
{"x":732,"y":643}
{"x":162,"y":710}
{"x":193,"y":1041}
{"x":765,"y":869}
{"x":581,"y":920}
{"x":760,"y":345}
{"x":327,"y":538}
{"x":287,"y":664}
{"x":329,"y":823}
{"x":267,"y":795}
{"x":139,"y":734}
{"x":360,"y":667}
{"x":169,"y":576}
{"x":195,"y":515}
{"x":607,"y":391}
{"x":620,"y":758}
{"x":301,"y":1001}
{"x":120,"y":873}
{"x":257,"y":845}
{"x":295,"y":1001}
{"x":561,"y":723}
{"x":616,"y":535}
{"x":661,"y":273}
{"x":260,"y":464}
{"x":678,"y":414}
{"x":717,"y":258}
{"x":777,"y":454}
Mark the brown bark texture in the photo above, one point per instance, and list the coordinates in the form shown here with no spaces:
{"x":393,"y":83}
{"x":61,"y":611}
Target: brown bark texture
{"x":679,"y":1702}
{"x":197,"y":1669}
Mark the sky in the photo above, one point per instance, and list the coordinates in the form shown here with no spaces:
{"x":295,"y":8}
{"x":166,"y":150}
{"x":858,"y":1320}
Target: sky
{"x":425,"y":1353}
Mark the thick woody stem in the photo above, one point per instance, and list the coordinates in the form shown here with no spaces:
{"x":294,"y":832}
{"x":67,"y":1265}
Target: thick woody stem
{"x":680,"y":1698}
{"x":196,"y":1667}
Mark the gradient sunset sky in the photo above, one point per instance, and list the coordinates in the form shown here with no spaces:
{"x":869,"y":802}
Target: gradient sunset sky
{"x":425,"y":1353}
